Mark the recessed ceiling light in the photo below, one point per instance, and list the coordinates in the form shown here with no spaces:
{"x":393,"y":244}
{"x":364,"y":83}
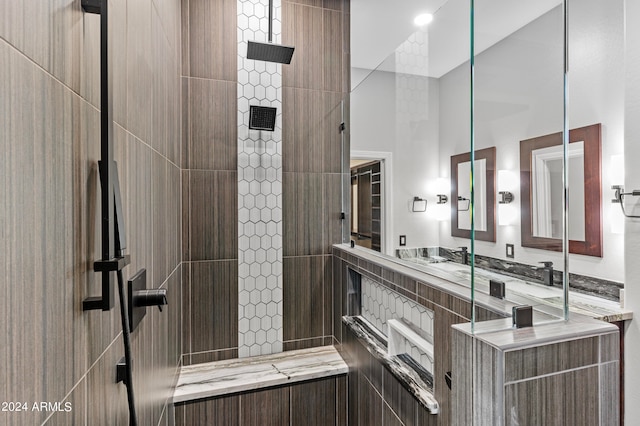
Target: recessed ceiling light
{"x":423,"y":19}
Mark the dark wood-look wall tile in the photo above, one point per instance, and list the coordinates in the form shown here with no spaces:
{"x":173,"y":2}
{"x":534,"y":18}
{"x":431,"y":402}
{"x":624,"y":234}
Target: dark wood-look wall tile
{"x":106,"y":399}
{"x":217,"y":411}
{"x":610,"y":347}
{"x":333,"y":54}
{"x":210,"y":48}
{"x":174,"y":211}
{"x":425,"y":418}
{"x":398,"y":398}
{"x":369,"y":403}
{"x":213,"y":140}
{"x":139,"y":69}
{"x":610,"y":394}
{"x":303,"y":287}
{"x":313,"y":3}
{"x":174,"y":314}
{"x":159,"y":190}
{"x":212,"y":356}
{"x":302,"y":27}
{"x":186,"y":215}
{"x":549,"y":359}
{"x":302,"y":214}
{"x":294,"y":345}
{"x":186,"y":129}
{"x":327,"y":296}
{"x":342,"y":397}
{"x":303,"y":129}
{"x":579,"y":407}
{"x":159,"y":107}
{"x":443,"y":320}
{"x":213,"y":215}
{"x":389,"y":418}
{"x":214,"y":305}
{"x":334,"y":4}
{"x":77,"y":415}
{"x":117,"y":59}
{"x":332,"y":142}
{"x":265,"y":408}
{"x":461,"y":400}
{"x":186,"y":313}
{"x":314,"y":403}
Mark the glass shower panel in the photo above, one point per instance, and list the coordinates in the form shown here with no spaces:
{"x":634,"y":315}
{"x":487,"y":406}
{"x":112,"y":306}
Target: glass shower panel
{"x":596,"y":93}
{"x":518,"y":104}
{"x":396,"y":116}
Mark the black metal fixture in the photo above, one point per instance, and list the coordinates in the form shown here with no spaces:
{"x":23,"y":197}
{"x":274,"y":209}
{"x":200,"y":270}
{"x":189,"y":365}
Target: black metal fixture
{"x":522,"y":316}
{"x":113,"y":240}
{"x":505,"y":197}
{"x":419,"y":205}
{"x":442,"y":199}
{"x":619,"y":198}
{"x":262,"y":118}
{"x":140,"y":297}
{"x":270,"y":51}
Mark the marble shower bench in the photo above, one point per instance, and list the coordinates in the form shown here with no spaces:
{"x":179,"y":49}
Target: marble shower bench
{"x":213,"y":379}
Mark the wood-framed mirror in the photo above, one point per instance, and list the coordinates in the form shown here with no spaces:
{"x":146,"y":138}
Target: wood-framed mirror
{"x":541,"y":191}
{"x":484,"y":197}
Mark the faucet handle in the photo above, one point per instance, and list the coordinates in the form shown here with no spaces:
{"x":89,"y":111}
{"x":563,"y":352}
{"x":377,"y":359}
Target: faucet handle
{"x":463,"y":248}
{"x":547,"y":264}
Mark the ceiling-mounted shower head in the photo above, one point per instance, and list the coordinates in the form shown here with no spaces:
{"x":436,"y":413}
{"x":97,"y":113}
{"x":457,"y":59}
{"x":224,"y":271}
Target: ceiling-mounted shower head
{"x":269,"y":51}
{"x":262,"y":118}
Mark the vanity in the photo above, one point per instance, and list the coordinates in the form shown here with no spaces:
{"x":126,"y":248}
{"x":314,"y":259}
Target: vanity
{"x":491,"y":374}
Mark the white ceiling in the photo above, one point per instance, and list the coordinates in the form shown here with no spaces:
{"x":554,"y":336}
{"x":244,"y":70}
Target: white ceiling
{"x":379,"y":27}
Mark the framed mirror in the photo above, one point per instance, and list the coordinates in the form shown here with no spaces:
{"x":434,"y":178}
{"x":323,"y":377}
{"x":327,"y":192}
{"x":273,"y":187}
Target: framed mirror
{"x":484,"y":197}
{"x":542,"y":186}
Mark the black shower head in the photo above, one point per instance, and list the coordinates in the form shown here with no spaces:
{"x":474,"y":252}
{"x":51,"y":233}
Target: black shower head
{"x":269,"y":52}
{"x":262,"y":118}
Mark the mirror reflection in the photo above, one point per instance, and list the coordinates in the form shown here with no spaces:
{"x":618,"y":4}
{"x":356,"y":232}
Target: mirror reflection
{"x":412,"y":113}
{"x":464,"y":195}
{"x":547,"y":188}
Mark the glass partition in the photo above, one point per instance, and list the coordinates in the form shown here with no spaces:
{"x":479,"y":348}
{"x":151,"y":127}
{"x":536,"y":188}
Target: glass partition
{"x":490,"y":139}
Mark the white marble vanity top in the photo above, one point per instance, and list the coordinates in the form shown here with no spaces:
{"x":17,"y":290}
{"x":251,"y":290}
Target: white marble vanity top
{"x":243,"y":374}
{"x":455,"y":279}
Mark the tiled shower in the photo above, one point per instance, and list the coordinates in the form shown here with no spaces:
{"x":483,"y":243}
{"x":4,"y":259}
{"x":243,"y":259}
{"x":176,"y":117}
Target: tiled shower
{"x":177,"y":97}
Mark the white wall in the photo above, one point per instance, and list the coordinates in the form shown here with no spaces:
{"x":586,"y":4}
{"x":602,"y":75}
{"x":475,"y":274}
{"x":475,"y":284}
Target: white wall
{"x":632,"y":226}
{"x":398,"y":113}
{"x":518,"y":95}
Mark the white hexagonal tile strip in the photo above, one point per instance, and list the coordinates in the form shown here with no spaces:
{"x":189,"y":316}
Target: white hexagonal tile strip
{"x":259,"y":189}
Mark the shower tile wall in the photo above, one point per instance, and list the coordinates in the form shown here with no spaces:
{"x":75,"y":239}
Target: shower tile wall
{"x":259,"y":189}
{"x":313,"y":87}
{"x":261,"y":210}
{"x":52,"y":351}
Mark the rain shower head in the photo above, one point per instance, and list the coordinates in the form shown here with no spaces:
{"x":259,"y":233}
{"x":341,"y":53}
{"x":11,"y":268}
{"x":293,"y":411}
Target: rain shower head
{"x":262,"y":118}
{"x":269,"y":52}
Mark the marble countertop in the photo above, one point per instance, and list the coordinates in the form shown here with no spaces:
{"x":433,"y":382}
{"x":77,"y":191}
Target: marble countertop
{"x":409,"y":378}
{"x":454,"y":278}
{"x":500,"y":333}
{"x":239,"y":375}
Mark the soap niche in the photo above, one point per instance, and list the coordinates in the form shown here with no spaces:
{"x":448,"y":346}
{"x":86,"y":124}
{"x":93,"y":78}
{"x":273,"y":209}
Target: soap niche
{"x":406,"y":326}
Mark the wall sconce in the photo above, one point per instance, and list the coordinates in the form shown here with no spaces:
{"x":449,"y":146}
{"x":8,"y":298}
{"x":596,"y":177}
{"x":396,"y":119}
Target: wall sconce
{"x":619,"y":198}
{"x":442,"y":199}
{"x":507,"y":183}
{"x":505,"y":197}
{"x":419,"y":205}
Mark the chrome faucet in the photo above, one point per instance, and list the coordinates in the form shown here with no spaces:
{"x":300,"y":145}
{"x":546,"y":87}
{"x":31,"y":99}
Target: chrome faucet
{"x":547,"y":273}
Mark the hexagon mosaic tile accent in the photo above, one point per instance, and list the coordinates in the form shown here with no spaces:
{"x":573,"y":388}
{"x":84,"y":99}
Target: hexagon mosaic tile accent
{"x":259,"y":189}
{"x":380,"y":304}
